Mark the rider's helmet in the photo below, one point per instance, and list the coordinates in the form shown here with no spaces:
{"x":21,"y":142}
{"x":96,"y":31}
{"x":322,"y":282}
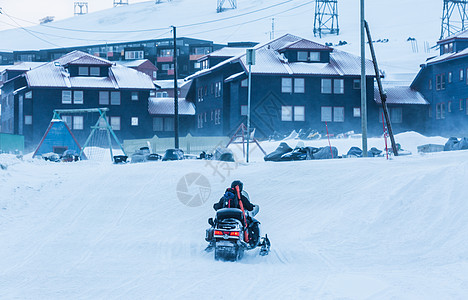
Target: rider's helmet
{"x":237,"y":183}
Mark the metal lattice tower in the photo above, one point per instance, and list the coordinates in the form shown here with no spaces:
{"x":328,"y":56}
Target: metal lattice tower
{"x":220,"y":7}
{"x":81,"y":8}
{"x":326,"y":17}
{"x":120,"y":2}
{"x":454,"y":17}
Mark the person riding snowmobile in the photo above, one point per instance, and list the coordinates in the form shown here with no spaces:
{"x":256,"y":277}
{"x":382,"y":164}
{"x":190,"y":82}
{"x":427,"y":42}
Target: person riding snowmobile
{"x":236,"y":197}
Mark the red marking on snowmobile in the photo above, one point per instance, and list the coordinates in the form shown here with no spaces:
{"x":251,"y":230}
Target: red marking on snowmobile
{"x":246,"y":234}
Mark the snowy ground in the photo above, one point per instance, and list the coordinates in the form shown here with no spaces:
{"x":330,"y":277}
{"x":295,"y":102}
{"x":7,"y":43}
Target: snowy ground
{"x":365,"y":228}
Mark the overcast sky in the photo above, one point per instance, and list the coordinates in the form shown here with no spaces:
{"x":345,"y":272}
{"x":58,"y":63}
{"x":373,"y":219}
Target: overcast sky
{"x":34,"y":10}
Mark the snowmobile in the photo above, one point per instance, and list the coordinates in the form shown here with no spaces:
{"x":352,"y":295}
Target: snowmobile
{"x":227,"y":235}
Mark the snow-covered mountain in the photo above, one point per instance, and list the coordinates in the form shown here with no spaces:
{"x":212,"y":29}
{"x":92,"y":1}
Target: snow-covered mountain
{"x":392,"y":20}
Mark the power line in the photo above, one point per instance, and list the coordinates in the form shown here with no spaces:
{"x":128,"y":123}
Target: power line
{"x":154,"y":29}
{"x":36,"y":33}
{"x":254,"y":20}
{"x":21,"y":27}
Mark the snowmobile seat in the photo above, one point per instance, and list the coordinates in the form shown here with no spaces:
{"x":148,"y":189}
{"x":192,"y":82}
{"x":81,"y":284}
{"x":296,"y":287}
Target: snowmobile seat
{"x":226,"y":213}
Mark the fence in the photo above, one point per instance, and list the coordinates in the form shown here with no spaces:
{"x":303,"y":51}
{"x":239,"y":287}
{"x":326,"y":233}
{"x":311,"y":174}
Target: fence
{"x":11,"y":143}
{"x":189,"y":144}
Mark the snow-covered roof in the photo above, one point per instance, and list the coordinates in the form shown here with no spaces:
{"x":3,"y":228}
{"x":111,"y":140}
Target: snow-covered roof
{"x":165,"y":106}
{"x":400,"y":95}
{"x":24,"y":66}
{"x":448,"y":56}
{"x":306,"y":45}
{"x":226,"y":52}
{"x":457,"y":36}
{"x":169,"y":83}
{"x":132,"y":63}
{"x":234,"y":76}
{"x":270,"y":61}
{"x":53,"y":74}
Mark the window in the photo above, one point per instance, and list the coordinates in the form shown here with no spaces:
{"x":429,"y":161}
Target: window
{"x":169,"y":124}
{"x":134,"y":54}
{"x":115,"y":123}
{"x":28,"y":95}
{"x":161,"y":95}
{"x":338,"y":86}
{"x":326,"y":113}
{"x":438,"y":111}
{"x":158,"y":124}
{"x":430,"y":84}
{"x":134,"y":121}
{"x":442,"y":110}
{"x":217,"y":117}
{"x":286,"y":85}
{"x":244,"y":110}
{"x":103,"y":98}
{"x":326,"y":86}
{"x":299,"y":113}
{"x":442,"y":82}
{"x":78,"y":97}
{"x":356,"y":112}
{"x":357,"y":84}
{"x":196,"y":65}
{"x":449,"y":106}
{"x":67,"y":120}
{"x":397,"y":115}
{"x":66,"y":97}
{"x":461,"y":75}
{"x":102,"y":123}
{"x":314,"y":56}
{"x":135,"y":96}
{"x":155,"y":74}
{"x":94,"y":71}
{"x":115,"y":98}
{"x":27,"y":120}
{"x":244,"y":83}
{"x":302,"y":55}
{"x":200,"y":121}
{"x":78,"y":123}
{"x":338,"y":114}
{"x":83,"y":71}
{"x":298,"y":85}
{"x":200,"y":94}
{"x":461,"y":104}
{"x":449,"y":77}
{"x":286,"y":113}
{"x":218,"y":89}
{"x":167,"y":67}
{"x":166,"y":52}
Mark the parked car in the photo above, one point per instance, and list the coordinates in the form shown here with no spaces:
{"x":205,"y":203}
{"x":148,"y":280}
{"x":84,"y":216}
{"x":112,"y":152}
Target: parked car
{"x":173,"y":154}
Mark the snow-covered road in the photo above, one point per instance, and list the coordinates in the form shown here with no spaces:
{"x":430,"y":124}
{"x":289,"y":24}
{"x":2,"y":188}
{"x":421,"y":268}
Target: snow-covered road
{"x":340,"y":229}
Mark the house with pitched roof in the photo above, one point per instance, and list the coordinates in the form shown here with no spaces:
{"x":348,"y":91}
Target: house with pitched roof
{"x":296,"y":84}
{"x":443,"y":80}
{"x":76,"y":81}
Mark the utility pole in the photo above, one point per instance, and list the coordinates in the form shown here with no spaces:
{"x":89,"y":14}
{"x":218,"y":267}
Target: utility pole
{"x":363,"y":85}
{"x":250,"y":60}
{"x":176,"y":93}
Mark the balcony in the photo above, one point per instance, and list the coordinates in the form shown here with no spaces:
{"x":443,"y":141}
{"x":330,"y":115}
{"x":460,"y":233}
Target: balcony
{"x":170,"y":72}
{"x":164,"y":59}
{"x":196,"y":56}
